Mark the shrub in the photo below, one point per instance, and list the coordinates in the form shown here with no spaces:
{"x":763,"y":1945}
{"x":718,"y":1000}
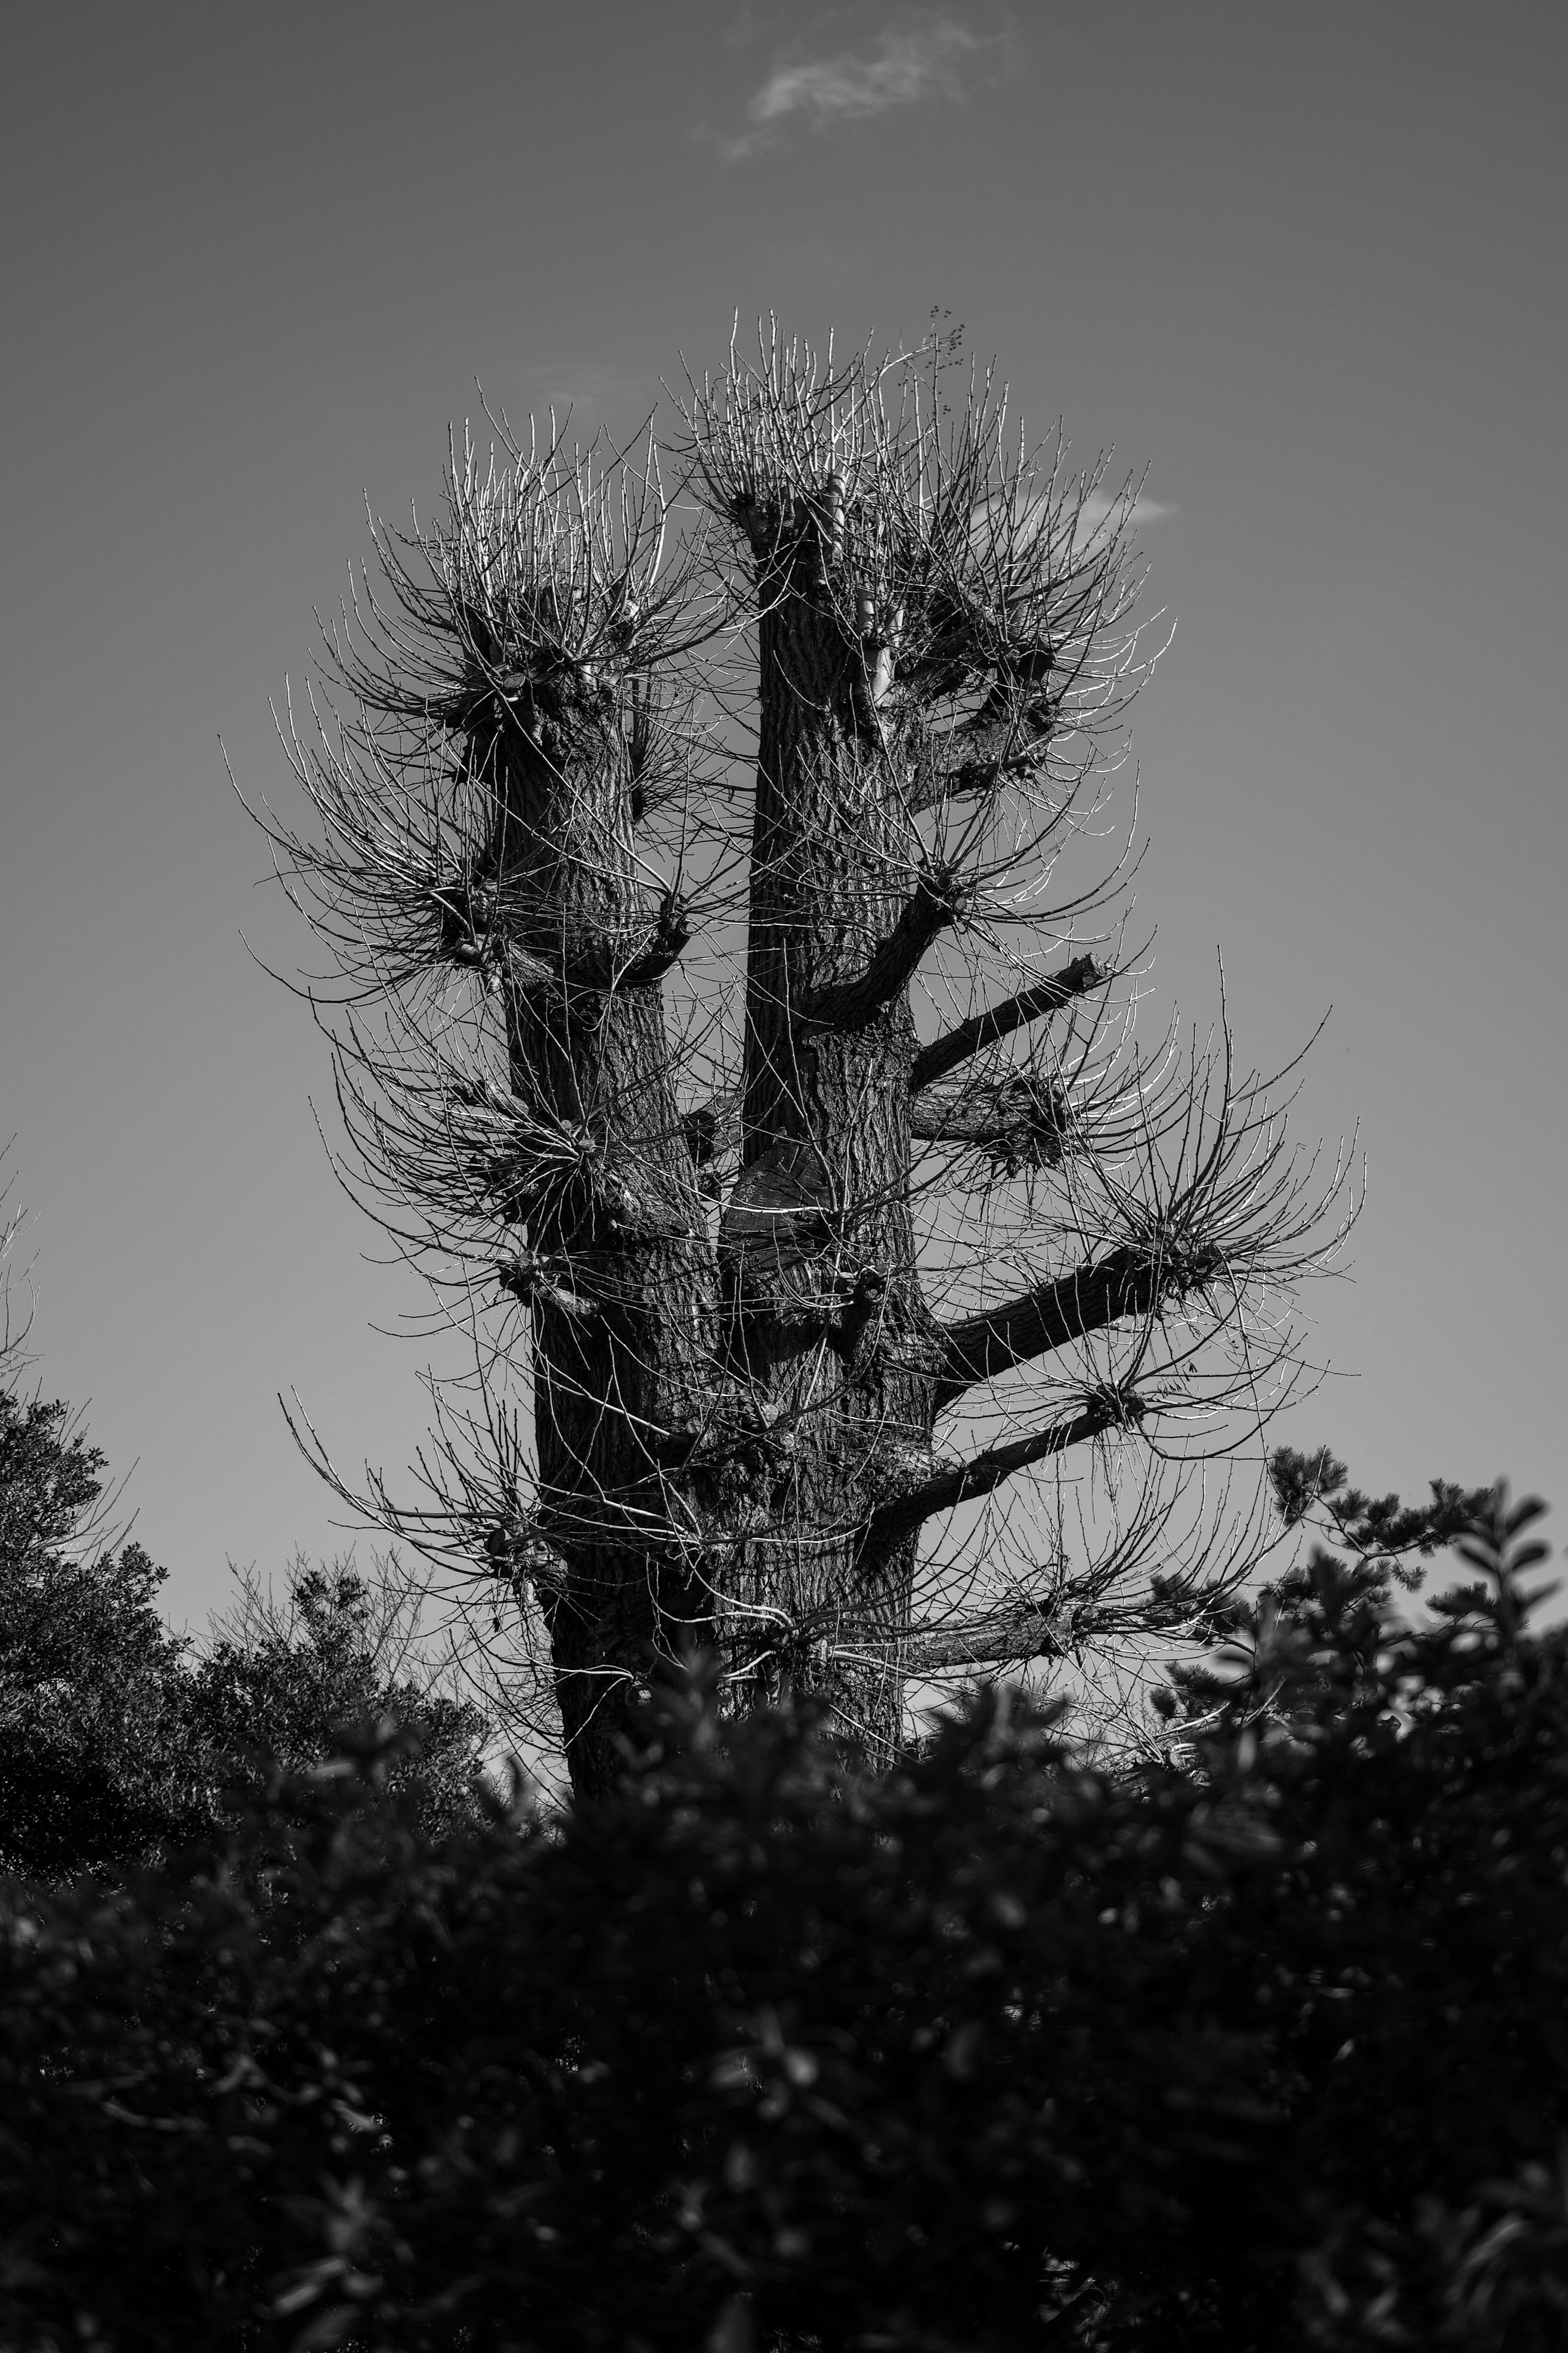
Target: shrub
{"x":1259,"y":2046}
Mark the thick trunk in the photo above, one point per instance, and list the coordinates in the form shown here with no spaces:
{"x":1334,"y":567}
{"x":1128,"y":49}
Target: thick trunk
{"x":824,"y":1322}
{"x":625,"y":1340}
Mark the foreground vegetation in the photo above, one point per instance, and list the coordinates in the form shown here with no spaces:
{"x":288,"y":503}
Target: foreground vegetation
{"x":1256,"y":2042}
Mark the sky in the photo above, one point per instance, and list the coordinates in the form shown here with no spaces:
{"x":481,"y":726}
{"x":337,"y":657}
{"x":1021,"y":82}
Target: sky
{"x":1302,"y":263}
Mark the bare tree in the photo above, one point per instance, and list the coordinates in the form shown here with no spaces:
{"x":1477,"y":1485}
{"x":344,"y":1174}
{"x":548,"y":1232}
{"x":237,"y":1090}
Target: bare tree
{"x":714,"y":1026}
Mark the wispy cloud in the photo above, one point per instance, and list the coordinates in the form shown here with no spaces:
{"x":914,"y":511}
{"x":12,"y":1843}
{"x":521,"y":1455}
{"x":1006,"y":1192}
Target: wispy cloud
{"x":1075,"y":520}
{"x":931,"y":61}
{"x":1099,"y":508}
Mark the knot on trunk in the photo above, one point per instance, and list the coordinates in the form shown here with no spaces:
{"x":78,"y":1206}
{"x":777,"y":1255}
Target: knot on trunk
{"x":518,"y":1552}
{"x":779,"y":1218}
{"x":486,"y":925}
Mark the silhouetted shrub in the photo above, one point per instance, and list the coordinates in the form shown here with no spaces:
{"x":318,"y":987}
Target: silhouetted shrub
{"x":1263,"y":2044}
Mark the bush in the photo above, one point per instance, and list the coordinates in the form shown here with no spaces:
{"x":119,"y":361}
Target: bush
{"x":1260,"y":2046}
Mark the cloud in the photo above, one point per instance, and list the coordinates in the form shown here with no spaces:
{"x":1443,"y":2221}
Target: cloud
{"x":902,"y":70}
{"x":1099,"y":507}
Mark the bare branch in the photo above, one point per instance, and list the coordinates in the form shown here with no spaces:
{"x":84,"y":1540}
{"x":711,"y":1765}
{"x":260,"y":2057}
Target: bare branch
{"x":962,"y":1483}
{"x":1021,"y":1122}
{"x":934,"y":906}
{"x":1010,"y":1637}
{"x":1125,"y":1285}
{"x":1075,"y":980}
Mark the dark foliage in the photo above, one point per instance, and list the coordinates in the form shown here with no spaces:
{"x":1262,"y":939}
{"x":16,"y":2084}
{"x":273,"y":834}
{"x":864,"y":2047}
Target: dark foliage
{"x":1262,"y":2046}
{"x":95,"y":1759}
{"x":115,"y":1740}
{"x":284,"y":1682}
{"x":1379,"y":1528}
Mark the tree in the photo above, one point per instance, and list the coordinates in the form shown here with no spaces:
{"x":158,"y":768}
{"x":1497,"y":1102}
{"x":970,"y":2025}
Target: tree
{"x":706,"y":989}
{"x":118,"y":1739}
{"x":94,"y":1764}
{"x":91,"y":1765}
{"x":285,"y":1679}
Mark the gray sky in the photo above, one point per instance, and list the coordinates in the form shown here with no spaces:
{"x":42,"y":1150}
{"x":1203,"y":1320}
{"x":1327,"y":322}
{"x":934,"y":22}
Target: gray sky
{"x":1305,"y":263}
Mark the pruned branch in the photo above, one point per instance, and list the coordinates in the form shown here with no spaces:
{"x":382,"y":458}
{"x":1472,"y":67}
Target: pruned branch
{"x":711,"y":1128}
{"x":1004,"y":743}
{"x":962,"y":1483}
{"x":1011,"y":1637}
{"x":527,"y":1278}
{"x":1128,"y":1282}
{"x":476,"y":929}
{"x":519,"y":1552}
{"x":934,"y":1061}
{"x":1021,"y":1122}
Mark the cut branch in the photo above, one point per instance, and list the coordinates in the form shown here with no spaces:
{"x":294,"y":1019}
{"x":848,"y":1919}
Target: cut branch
{"x":961,"y":1483}
{"x":1126,"y":1282}
{"x":1005,"y":1638}
{"x":1075,"y":980}
{"x":521,"y":1553}
{"x":1022,"y":1121}
{"x":475,"y":930}
{"x":711,"y":1128}
{"x":527,"y":1278}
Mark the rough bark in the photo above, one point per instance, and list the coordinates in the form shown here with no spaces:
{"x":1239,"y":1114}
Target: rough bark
{"x":624,"y":1325}
{"x":825,"y":1322}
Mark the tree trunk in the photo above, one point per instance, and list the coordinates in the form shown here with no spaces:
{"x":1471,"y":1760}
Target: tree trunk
{"x":822,"y":1296}
{"x":623,"y":1343}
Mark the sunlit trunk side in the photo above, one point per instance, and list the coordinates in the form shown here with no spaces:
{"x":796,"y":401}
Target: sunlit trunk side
{"x":825,"y":1316}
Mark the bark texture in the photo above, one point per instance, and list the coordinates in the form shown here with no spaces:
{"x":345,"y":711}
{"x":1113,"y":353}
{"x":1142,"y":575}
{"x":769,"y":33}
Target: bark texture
{"x":624,"y":1347}
{"x":825,"y":1322}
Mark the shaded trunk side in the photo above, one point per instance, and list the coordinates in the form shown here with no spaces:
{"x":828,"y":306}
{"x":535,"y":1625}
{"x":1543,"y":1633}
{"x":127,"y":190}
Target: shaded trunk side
{"x":623,"y":1384}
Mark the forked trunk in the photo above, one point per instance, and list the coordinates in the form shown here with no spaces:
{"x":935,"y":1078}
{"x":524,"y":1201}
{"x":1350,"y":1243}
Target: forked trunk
{"x":734,"y":1431}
